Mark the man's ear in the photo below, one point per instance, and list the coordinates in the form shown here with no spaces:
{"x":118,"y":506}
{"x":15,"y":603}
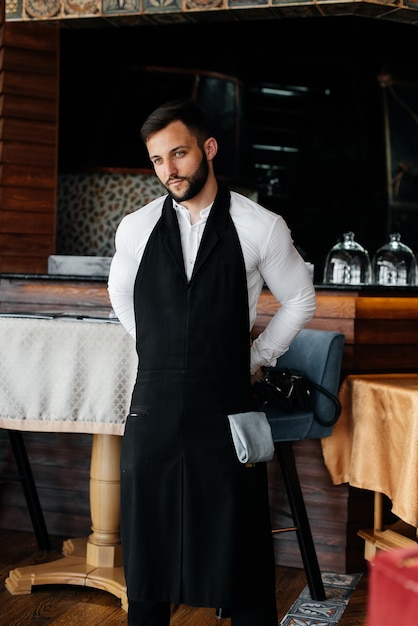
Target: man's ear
{"x":211,"y":148}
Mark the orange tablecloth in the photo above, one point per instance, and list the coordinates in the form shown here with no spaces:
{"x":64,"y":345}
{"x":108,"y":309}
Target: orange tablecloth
{"x":374,"y":444}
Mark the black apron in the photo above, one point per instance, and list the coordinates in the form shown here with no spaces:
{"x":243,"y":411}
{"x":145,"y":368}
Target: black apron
{"x":195,"y":523}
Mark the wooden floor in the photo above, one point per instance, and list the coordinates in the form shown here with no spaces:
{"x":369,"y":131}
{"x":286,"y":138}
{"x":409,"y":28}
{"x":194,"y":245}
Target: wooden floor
{"x":82,"y":606}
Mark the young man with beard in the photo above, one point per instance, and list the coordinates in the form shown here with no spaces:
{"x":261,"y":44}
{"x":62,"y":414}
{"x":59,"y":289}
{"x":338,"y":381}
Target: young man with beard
{"x":185,"y":280}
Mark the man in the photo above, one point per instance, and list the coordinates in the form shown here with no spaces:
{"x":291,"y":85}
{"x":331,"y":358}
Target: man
{"x":188,"y":271}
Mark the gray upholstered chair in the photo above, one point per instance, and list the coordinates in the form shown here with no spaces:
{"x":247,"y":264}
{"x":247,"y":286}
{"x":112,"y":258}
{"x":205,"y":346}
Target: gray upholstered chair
{"x":318,"y":355}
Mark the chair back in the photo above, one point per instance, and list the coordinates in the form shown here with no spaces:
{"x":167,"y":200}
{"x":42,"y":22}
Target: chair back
{"x":318,"y":355}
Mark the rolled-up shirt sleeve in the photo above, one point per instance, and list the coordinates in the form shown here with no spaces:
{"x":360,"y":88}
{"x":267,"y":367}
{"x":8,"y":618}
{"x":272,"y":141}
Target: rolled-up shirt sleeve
{"x":288,"y":279}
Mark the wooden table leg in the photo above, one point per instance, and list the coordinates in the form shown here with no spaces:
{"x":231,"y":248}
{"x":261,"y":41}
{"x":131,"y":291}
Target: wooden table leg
{"x":378,"y":511}
{"x":396,"y":536}
{"x":370,"y":548}
{"x":95,"y":561}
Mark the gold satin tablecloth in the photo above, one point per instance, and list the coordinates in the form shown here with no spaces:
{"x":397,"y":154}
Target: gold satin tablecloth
{"x":374,"y":444}
{"x":65,"y":375}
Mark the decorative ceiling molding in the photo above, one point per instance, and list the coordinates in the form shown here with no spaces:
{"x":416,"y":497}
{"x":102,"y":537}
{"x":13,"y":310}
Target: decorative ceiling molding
{"x":88,"y":13}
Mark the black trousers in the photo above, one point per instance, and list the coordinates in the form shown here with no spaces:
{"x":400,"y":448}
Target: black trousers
{"x":158,"y":614}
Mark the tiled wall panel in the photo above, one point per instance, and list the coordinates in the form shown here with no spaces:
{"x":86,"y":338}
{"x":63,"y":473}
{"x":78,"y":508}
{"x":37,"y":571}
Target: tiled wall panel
{"x":164,"y":11}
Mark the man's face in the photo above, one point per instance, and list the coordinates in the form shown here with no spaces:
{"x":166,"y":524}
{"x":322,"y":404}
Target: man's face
{"x":178,"y":161}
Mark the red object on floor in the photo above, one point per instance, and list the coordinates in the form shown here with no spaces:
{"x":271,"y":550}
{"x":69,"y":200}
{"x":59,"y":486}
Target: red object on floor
{"x":393,"y":588}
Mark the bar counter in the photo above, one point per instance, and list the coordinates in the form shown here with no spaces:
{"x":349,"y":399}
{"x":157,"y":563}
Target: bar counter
{"x":380,"y":325}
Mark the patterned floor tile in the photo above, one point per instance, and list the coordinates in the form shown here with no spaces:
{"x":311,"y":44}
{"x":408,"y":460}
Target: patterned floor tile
{"x":293,"y":620}
{"x":307,"y":612}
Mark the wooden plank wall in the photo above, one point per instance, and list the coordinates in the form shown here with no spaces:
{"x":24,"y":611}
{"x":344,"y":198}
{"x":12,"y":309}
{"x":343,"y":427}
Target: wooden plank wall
{"x":60,"y":464}
{"x":29,"y":97}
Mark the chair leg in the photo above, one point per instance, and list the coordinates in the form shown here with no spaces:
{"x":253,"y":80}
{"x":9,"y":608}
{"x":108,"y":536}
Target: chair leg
{"x":287,"y":462}
{"x":29,"y":489}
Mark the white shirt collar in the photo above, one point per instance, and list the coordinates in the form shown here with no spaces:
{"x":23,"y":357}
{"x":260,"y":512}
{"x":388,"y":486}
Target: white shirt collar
{"x":203,"y":213}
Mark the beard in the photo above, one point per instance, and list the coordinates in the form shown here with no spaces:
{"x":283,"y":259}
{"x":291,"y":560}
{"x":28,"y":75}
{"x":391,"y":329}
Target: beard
{"x":196,"y":182}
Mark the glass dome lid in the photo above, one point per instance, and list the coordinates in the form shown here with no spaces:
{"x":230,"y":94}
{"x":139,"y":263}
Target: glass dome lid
{"x":394,"y":263}
{"x":347,"y":263}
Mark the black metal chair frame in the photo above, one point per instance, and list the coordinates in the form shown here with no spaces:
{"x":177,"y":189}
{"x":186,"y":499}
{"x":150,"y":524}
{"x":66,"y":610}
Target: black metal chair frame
{"x":25,"y":476}
{"x":317,"y":354}
{"x":286,"y":458}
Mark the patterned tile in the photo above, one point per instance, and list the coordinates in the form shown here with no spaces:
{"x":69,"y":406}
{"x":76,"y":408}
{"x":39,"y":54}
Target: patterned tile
{"x":243,"y":3}
{"x":291,"y":620}
{"x":90,"y":207}
{"x":307,"y":612}
{"x":284,"y":2}
{"x":42,"y":8}
{"x":413,"y":4}
{"x":341,"y":580}
{"x":120,"y":6}
{"x":332,"y":593}
{"x":13,"y":9}
{"x":203,"y":5}
{"x":151,"y":6}
{"x":81,"y":7}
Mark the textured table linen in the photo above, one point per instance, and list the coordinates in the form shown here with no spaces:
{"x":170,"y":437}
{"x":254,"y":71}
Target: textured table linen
{"x":65,"y":375}
{"x":374,"y":444}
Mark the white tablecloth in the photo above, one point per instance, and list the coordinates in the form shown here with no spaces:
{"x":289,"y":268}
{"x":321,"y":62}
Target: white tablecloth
{"x":65,"y":375}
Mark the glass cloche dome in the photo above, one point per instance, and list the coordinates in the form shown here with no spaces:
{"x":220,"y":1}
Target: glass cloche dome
{"x":347,"y":263}
{"x":394,"y":263}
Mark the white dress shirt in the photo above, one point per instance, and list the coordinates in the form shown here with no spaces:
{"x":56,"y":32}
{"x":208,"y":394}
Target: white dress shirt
{"x":269,"y":254}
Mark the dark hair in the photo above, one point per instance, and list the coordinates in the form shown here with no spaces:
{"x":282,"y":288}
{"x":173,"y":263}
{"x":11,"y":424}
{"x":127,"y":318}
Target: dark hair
{"x":185,"y":111}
